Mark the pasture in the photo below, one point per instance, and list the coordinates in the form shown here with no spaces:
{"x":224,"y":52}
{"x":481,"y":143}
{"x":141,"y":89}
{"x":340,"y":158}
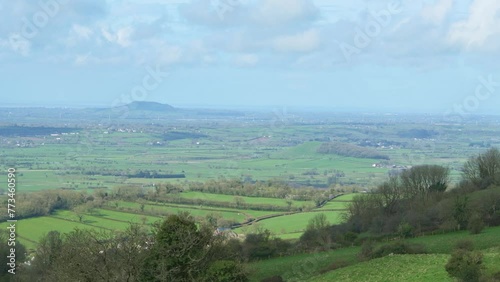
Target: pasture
{"x":392,"y":268}
{"x":247,"y":200}
{"x":291,"y":226}
{"x":32,"y":229}
{"x":306,"y":266}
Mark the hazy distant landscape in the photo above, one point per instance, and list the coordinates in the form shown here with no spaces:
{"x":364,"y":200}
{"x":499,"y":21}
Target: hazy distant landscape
{"x":249,"y":140}
{"x":245,"y":172}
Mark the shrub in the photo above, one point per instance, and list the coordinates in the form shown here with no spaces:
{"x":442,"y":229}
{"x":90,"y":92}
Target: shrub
{"x":350,"y":237}
{"x":475,"y":224}
{"x":226,"y":271}
{"x":367,"y":250}
{"x":466,"y":245}
{"x":273,"y":279}
{"x":465,"y":265}
{"x":405,"y":230}
{"x":335,"y":265}
{"x":399,"y":247}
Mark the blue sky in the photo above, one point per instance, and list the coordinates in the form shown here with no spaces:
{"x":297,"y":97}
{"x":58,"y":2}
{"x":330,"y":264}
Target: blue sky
{"x":371,"y":55}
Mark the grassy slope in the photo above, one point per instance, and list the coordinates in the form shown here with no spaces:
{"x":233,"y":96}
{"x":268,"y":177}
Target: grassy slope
{"x":300,"y":266}
{"x":311,"y":264}
{"x":295,"y":223}
{"x":236,"y":215}
{"x":247,"y":200}
{"x":426,"y":267}
{"x":31,"y":230}
{"x":393,"y":268}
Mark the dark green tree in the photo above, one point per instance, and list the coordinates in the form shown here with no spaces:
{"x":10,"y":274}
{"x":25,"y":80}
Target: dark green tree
{"x":225,"y":271}
{"x":183,"y":250}
{"x":461,"y":211}
{"x":20,"y":256}
{"x":47,"y":252}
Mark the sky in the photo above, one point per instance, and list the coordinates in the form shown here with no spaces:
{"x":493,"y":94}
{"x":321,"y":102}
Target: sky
{"x":436,"y":56}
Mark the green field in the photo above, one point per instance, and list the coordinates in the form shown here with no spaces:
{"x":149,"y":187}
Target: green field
{"x":202,"y":210}
{"x":302,"y":266}
{"x":394,"y":268}
{"x":305,"y":266}
{"x":101,"y":217}
{"x":423,"y":267}
{"x":246,"y":200}
{"x":197,"y":211}
{"x":345,"y":197}
{"x":241,"y":149}
{"x":443,"y":243}
{"x":31,"y":230}
{"x":335,"y":205}
{"x":292,"y":226}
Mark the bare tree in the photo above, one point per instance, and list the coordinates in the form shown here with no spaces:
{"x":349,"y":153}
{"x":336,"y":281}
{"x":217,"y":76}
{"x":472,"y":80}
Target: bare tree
{"x":390,"y":193}
{"x":483,"y":170}
{"x":424,"y":179}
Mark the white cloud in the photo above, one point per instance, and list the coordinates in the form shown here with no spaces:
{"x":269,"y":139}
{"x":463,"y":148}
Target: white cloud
{"x":283,"y":33}
{"x":481,"y":29}
{"x":81,"y":60}
{"x":121,"y":37}
{"x":246,"y":60}
{"x":277,"y":12}
{"x":301,"y":42}
{"x":78,"y":33}
{"x":19,"y":44}
{"x":168,"y":55}
{"x":437,"y":13}
{"x":82,"y":32}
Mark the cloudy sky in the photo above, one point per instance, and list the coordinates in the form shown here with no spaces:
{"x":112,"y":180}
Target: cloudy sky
{"x":403,"y":55}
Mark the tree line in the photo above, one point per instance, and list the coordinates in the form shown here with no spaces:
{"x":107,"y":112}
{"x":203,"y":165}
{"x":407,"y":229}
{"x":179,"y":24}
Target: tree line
{"x":350,"y":150}
{"x":420,"y":201}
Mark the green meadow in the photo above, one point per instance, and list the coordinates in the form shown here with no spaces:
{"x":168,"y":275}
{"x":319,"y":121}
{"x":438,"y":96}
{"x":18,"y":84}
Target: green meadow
{"x":308,"y":267}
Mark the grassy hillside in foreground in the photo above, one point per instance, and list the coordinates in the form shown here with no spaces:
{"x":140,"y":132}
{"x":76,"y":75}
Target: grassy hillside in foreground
{"x":393,"y":268}
{"x":425,"y":267}
{"x":306,"y":266}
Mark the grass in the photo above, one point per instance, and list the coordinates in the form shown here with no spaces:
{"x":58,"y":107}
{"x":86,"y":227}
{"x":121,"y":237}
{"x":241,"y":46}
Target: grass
{"x":32,"y":229}
{"x":291,"y":225}
{"x":107,"y":219}
{"x":491,"y":260}
{"x":300,"y":266}
{"x":247,"y":200}
{"x":228,"y":151}
{"x":423,"y":267}
{"x":444,"y":243}
{"x":339,"y":203}
{"x":335,"y":205}
{"x":305,"y":266}
{"x":228,"y":214}
{"x":346,"y":197}
{"x":392,"y":268}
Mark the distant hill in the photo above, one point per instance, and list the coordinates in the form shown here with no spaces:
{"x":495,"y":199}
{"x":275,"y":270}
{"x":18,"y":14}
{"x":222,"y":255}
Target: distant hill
{"x":150,"y":106}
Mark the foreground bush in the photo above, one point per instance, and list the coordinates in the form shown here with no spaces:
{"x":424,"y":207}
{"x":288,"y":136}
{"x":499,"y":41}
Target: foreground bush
{"x":465,"y":265}
{"x":400,"y":248}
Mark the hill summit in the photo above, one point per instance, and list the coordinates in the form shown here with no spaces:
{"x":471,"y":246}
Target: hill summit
{"x":149,"y":106}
